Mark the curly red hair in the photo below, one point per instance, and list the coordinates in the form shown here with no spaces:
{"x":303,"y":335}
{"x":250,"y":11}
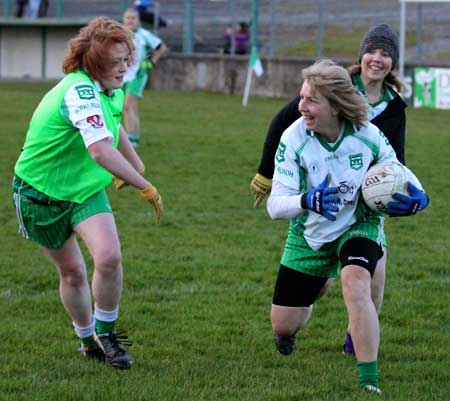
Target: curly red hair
{"x":88,"y":50}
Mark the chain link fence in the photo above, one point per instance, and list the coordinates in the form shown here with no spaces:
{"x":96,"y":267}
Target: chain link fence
{"x":286,"y":27}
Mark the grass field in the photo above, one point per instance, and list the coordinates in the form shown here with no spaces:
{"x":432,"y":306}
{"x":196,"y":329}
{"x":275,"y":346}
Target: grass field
{"x":338,"y":42}
{"x":198,"y":287}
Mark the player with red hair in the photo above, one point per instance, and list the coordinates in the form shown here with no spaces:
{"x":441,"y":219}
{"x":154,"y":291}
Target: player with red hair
{"x":74,"y":145}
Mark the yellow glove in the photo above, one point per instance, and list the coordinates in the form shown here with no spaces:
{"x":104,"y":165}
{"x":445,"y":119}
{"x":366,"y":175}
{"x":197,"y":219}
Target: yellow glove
{"x":119,"y":183}
{"x":261,"y":187}
{"x":151,"y":195}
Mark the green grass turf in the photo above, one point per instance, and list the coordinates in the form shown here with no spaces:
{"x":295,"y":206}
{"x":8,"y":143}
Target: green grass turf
{"x":198,"y":288}
{"x":337,"y":42}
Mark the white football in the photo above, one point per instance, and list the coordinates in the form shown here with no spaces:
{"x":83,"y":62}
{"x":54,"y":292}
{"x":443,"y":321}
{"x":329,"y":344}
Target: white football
{"x":384,"y":179}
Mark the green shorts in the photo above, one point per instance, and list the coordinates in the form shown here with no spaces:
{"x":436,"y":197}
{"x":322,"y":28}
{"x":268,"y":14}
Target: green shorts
{"x":324,"y":262}
{"x":136,"y":86}
{"x":50,"y":222}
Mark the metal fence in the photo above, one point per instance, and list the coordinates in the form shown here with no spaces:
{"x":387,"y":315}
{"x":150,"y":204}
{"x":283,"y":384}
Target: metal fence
{"x":283,"y":24}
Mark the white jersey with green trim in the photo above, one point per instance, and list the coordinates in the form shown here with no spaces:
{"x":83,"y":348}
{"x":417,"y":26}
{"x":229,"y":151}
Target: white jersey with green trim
{"x":304,"y":159}
{"x":144,"y":41}
{"x":375,"y":109}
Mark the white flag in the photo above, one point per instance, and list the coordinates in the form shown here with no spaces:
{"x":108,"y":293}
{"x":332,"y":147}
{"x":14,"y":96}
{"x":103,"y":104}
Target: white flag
{"x":255,"y":62}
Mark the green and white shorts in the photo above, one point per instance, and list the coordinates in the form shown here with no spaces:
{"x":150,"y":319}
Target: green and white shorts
{"x":50,"y":222}
{"x":136,"y":86}
{"x":325,"y":262}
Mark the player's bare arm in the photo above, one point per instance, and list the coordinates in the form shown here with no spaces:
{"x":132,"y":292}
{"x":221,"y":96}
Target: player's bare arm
{"x":128,"y":152}
{"x":112,"y":160}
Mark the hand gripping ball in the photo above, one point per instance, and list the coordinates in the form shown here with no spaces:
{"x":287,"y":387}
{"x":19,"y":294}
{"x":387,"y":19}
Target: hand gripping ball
{"x":384,"y":179}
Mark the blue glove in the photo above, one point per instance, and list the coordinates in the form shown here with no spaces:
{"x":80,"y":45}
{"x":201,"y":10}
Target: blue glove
{"x":321,"y":199}
{"x":408,"y":205}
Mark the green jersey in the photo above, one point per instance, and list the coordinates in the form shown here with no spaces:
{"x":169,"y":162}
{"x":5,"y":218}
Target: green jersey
{"x":71,"y":117}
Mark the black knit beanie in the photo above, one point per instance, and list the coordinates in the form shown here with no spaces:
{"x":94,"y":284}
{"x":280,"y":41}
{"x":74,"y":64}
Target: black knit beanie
{"x":380,"y":37}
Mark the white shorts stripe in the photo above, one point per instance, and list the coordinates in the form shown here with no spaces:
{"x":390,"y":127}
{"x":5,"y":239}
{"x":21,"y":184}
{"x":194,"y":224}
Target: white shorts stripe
{"x":22,"y":228}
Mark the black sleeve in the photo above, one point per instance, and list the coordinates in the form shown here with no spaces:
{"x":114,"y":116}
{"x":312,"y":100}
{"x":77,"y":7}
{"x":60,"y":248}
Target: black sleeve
{"x":285,"y":117}
{"x":392,"y":122}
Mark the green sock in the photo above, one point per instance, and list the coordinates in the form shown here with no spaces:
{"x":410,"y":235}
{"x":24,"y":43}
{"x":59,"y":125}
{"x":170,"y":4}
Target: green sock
{"x":368,"y":373}
{"x":133,"y":138}
{"x":88,"y":342}
{"x":102,"y":327}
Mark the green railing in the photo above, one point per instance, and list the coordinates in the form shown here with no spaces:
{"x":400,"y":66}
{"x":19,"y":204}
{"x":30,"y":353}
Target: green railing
{"x":6,"y":8}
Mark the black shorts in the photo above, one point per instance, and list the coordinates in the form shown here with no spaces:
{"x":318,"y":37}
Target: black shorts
{"x":294,"y":288}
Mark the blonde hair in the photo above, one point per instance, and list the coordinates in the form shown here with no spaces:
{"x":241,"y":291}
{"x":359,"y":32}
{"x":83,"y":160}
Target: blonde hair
{"x":88,"y":50}
{"x":333,"y":82}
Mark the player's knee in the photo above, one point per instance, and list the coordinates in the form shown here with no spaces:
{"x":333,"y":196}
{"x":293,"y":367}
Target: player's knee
{"x":356,"y":286}
{"x":282,"y":329}
{"x":73,"y":275}
{"x":108,"y":261}
{"x":326,"y":287}
{"x":286,"y":324}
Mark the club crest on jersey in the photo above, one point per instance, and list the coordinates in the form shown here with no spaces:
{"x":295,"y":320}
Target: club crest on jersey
{"x":280,"y":152}
{"x":356,"y":161}
{"x":85,"y":92}
{"x":95,"y":121}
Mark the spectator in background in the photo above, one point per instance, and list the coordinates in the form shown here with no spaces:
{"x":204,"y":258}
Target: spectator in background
{"x":21,"y":6}
{"x":32,"y":8}
{"x":241,"y":39}
{"x":43,"y":8}
{"x":227,"y":39}
{"x":146,"y":10}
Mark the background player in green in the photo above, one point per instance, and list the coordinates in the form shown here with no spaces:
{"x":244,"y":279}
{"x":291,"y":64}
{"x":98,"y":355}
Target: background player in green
{"x":331,"y":146}
{"x":75,"y":142}
{"x":149,"y":49}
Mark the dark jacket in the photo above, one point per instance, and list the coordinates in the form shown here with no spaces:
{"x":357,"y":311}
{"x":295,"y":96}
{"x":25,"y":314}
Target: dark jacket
{"x":392,"y":122}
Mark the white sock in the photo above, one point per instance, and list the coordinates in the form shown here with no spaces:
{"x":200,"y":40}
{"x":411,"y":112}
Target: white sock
{"x":106,"y":316}
{"x":84,"y":332}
